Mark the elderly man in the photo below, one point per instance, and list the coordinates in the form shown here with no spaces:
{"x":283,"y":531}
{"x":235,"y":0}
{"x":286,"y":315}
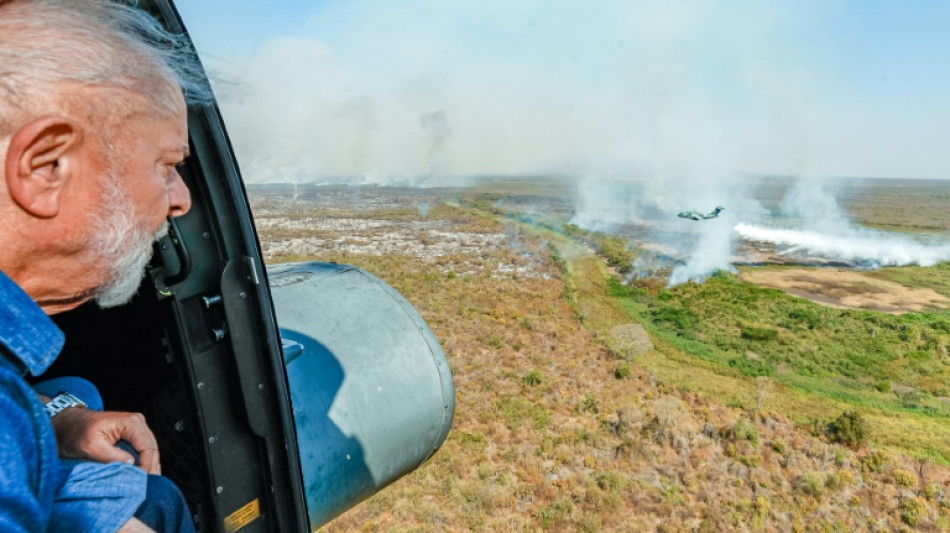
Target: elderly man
{"x":92,"y":126}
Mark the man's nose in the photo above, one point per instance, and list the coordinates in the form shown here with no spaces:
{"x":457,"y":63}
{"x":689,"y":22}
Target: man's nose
{"x":179,"y":198}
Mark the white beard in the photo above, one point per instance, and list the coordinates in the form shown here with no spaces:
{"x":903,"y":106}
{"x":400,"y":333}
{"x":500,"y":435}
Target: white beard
{"x":123,"y":246}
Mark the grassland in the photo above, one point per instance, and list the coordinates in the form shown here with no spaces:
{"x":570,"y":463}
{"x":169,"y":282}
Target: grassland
{"x":559,"y":428}
{"x":936,"y":277}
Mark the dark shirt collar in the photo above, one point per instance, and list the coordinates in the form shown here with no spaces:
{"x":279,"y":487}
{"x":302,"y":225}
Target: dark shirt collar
{"x":31,"y":338}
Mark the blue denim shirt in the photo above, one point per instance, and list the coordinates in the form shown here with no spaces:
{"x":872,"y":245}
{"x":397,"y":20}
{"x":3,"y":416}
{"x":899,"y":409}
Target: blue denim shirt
{"x":38,"y":491}
{"x":30,"y":472}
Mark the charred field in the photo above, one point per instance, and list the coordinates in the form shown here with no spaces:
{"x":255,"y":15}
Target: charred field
{"x":592,"y":396}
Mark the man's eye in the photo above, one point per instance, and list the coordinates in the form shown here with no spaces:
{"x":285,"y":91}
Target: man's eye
{"x":172,"y":171}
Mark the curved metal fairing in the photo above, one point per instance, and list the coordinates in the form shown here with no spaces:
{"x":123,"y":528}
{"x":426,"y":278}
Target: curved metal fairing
{"x":371,"y":389}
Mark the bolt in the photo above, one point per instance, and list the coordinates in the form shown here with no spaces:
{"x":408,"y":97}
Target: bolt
{"x":219,"y":490}
{"x":211,"y":300}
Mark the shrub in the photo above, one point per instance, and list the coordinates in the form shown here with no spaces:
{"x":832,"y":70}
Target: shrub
{"x":614,"y":249}
{"x":751,"y":461}
{"x":810,"y":318}
{"x":533,"y":378}
{"x":615,"y":287}
{"x":495,"y":342}
{"x":554,"y":514}
{"x":759,"y":334}
{"x":840,"y":457}
{"x":840,"y":479}
{"x":883,"y":386}
{"x":761,"y":506}
{"x":681,"y":318}
{"x":471,"y":440}
{"x":849,"y":429}
{"x":622,"y":371}
{"x":731,"y":450}
{"x":609,"y":481}
{"x":912,"y":399}
{"x":933,"y":492}
{"x":589,"y":405}
{"x":873,"y":462}
{"x":751,"y":367}
{"x":572,"y":229}
{"x":904,"y":478}
{"x":745,"y":430}
{"x":812,"y":484}
{"x":914,"y":511}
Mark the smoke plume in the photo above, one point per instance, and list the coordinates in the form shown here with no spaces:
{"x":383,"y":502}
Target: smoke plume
{"x":861,"y":247}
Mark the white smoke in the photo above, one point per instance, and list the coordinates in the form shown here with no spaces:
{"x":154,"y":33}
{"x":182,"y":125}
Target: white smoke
{"x":711,"y":252}
{"x":648,"y":209}
{"x":603,"y":204}
{"x":436,"y":125}
{"x":815,"y":227}
{"x":813,"y":204}
{"x":855,"y":245}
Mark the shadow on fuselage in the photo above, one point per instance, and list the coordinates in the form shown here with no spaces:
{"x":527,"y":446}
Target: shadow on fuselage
{"x":333,"y":464}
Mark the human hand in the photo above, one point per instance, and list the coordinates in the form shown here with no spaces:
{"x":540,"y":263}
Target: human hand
{"x":88,"y":434}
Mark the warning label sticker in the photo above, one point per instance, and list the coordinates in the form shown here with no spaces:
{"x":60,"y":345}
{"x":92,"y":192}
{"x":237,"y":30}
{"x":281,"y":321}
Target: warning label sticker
{"x":243,"y":516}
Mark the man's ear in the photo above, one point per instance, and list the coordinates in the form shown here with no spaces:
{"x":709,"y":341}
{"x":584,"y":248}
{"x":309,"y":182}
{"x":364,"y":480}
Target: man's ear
{"x":40,"y":161}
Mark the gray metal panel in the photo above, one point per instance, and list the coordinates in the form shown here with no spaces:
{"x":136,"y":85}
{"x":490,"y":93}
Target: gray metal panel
{"x":371,"y":389}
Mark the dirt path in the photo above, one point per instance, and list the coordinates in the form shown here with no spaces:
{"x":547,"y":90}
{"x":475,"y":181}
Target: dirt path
{"x":847,"y":289}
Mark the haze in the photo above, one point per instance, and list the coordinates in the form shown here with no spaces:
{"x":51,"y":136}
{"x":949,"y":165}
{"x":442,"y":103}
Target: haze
{"x":686,"y":91}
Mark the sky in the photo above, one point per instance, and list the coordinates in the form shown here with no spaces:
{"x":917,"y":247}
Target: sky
{"x":443,"y":88}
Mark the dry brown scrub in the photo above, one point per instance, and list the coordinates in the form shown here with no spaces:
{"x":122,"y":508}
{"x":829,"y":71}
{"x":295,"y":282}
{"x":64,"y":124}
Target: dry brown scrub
{"x":546,"y":437}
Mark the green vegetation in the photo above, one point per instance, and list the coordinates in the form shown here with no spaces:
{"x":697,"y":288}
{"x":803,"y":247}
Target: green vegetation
{"x":874,"y":462}
{"x":758,"y":334}
{"x":849,"y":429}
{"x":914,"y":510}
{"x":904,"y":478}
{"x":615,"y":250}
{"x":533,"y":378}
{"x":623,"y":370}
{"x":936,"y":277}
{"x":853,"y":356}
{"x":516,"y":411}
{"x":744,"y":430}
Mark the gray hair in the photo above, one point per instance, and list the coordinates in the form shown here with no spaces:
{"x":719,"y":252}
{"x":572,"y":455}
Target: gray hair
{"x":52,"y":52}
